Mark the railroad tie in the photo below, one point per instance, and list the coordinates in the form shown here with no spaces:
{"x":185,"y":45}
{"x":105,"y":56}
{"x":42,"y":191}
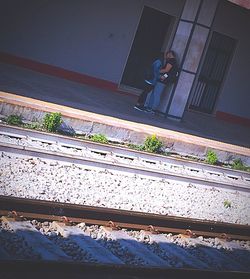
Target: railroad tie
{"x":136,"y":248}
{"x":86,"y":243}
{"x":177,"y":251}
{"x":36,"y":240}
{"x":216,"y":255}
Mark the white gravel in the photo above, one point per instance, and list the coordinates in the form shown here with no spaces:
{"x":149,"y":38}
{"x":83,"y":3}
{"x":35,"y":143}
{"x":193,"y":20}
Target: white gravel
{"x":49,"y":180}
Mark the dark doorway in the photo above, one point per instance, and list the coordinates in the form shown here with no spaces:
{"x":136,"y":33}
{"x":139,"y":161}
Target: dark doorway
{"x":147,"y":44}
{"x":213,"y":70}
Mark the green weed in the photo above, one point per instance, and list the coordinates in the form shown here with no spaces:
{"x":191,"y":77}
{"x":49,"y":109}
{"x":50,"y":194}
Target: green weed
{"x":33,"y":125}
{"x":52,"y":121}
{"x":227,"y":204}
{"x":238,"y":165}
{"x":99,"y":138}
{"x":152,"y":144}
{"x":136,"y":146}
{"x":211,"y":157}
{"x":14,"y":120}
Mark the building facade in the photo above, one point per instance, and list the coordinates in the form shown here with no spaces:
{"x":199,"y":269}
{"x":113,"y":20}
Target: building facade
{"x":110,"y":43}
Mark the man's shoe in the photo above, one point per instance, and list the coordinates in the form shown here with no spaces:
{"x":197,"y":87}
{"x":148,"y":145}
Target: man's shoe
{"x":149,"y":110}
{"x":139,"y":108}
{"x":149,"y":82}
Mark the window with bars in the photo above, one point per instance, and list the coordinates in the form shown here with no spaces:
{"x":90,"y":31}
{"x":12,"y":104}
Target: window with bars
{"x":213,"y":70}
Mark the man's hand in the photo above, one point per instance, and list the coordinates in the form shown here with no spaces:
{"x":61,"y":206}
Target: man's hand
{"x":163,"y":77}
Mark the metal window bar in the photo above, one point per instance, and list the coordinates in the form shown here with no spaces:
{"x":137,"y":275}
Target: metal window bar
{"x":212,"y":73}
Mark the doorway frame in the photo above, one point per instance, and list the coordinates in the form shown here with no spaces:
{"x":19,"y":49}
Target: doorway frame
{"x":166,"y":44}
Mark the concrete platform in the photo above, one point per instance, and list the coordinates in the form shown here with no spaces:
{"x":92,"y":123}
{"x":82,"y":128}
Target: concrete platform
{"x":93,"y":110}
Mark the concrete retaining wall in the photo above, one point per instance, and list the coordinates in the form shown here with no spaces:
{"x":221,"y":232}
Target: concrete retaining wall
{"x":122,"y":131}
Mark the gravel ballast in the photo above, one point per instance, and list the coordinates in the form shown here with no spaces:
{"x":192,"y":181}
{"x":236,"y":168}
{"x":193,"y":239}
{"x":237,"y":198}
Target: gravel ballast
{"x":63,"y":182}
{"x":177,"y":252}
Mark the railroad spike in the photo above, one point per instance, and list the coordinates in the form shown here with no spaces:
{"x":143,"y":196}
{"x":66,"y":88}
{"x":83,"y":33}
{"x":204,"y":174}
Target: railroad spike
{"x":113,"y":226}
{"x":152,"y":229}
{"x":224,"y":236}
{"x":14,"y":215}
{"x":188,"y":234}
{"x":66,"y":221}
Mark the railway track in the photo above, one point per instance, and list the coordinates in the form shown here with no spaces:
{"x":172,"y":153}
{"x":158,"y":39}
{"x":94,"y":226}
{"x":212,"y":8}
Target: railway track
{"x":114,"y":158}
{"x":122,"y":218}
{"x":59,"y":238}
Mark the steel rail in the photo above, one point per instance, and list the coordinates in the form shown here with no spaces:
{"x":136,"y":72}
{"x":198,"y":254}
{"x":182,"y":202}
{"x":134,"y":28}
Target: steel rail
{"x":47,"y":210}
{"x":114,"y":149}
{"x":237,"y":178}
{"x":78,"y":143}
{"x":124,"y":168}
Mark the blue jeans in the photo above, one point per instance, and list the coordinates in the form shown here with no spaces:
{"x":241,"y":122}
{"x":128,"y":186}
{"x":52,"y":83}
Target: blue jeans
{"x":155,"y":96}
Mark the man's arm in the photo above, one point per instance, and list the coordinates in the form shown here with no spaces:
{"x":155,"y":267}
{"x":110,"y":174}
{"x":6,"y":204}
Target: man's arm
{"x":166,"y":69}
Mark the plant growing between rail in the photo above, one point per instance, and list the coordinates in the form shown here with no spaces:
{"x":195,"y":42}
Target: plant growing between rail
{"x":227,"y":204}
{"x":99,"y":138}
{"x":238,"y":165}
{"x":135,"y":146}
{"x":14,"y":120}
{"x":211,"y":157}
{"x":52,"y":121}
{"x":152,"y":144}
